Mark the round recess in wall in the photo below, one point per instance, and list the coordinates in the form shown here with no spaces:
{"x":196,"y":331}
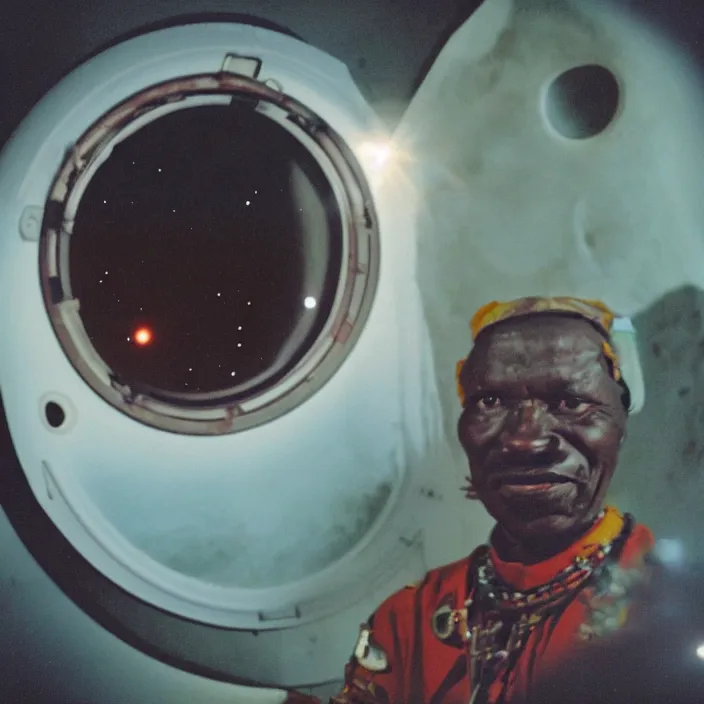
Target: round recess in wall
{"x":581,"y":102}
{"x":57,"y":413}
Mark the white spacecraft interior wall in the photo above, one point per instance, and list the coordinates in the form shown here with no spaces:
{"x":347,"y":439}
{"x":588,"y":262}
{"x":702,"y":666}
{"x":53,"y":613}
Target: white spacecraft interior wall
{"x":509,"y":209}
{"x":280,"y":502}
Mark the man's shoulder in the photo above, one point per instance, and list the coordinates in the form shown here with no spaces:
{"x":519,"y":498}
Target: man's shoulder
{"x":435,"y":581}
{"x":639,"y":545}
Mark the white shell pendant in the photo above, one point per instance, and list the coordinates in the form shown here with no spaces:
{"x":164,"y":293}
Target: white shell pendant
{"x":368,"y":654}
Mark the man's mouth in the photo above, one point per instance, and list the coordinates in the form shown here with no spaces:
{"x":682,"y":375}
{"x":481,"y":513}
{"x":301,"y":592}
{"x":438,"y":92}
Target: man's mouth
{"x":527,"y":483}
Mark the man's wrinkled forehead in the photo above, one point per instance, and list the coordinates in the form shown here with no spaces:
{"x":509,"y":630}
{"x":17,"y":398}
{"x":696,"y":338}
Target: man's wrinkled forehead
{"x":544,"y":349}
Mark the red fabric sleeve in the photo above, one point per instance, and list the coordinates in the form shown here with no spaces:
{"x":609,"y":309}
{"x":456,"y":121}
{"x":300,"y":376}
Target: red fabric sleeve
{"x":386,"y":637}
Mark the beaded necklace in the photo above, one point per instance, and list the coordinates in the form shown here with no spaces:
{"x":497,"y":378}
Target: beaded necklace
{"x":497,"y":620}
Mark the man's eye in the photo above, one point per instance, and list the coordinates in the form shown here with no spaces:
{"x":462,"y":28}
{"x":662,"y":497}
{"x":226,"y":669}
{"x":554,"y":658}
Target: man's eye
{"x":570,"y":405}
{"x":487,"y":403}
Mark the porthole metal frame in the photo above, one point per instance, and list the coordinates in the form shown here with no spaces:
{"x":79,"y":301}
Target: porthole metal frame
{"x":230,"y":410}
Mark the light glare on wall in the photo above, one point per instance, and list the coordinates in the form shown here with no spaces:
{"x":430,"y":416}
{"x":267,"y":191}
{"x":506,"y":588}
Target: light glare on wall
{"x":376,"y":154}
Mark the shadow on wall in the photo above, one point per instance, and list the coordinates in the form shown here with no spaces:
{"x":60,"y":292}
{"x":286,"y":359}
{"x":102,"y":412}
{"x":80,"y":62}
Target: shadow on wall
{"x":21,"y":106}
{"x":234,"y":555}
{"x":661,"y":474}
{"x":114,"y":610}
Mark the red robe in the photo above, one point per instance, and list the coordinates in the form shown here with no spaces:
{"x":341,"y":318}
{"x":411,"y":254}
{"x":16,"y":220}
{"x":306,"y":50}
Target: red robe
{"x":401,"y":660}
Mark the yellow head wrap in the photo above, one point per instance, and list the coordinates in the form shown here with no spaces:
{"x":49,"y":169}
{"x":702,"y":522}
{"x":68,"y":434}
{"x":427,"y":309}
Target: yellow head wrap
{"x":593,"y":311}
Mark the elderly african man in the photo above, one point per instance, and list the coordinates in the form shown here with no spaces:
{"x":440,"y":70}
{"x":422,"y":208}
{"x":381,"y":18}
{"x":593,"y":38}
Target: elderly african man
{"x":544,"y":412}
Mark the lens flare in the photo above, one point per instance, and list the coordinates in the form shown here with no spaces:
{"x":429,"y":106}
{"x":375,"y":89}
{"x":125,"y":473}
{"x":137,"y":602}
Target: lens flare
{"x":376,"y":155}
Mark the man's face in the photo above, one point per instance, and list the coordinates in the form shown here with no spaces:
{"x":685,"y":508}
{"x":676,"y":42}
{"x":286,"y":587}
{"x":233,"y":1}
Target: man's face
{"x":542,"y":425}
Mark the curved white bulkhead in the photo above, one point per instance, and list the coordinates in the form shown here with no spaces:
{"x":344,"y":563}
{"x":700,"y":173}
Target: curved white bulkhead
{"x":344,"y":463}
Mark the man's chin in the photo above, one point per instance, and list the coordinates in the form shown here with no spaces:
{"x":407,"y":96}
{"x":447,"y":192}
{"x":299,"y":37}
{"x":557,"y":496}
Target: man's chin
{"x":550,"y":524}
{"x":541,"y":528}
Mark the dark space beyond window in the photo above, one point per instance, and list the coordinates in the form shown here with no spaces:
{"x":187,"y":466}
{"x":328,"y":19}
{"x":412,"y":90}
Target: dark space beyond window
{"x":206,"y":249}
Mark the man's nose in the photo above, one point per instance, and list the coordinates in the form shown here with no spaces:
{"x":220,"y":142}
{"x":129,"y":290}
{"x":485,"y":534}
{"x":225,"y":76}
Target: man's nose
{"x":525,"y":430}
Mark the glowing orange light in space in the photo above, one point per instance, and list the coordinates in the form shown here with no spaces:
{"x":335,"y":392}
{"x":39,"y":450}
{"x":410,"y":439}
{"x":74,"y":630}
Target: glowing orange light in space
{"x":143,"y":336}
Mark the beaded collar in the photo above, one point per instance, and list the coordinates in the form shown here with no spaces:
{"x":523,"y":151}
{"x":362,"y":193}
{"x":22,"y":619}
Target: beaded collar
{"x":507,"y":618}
{"x":496,"y":595}
{"x":497,"y":620}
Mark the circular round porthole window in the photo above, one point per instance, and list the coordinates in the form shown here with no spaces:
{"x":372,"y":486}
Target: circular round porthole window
{"x":209,"y":254}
